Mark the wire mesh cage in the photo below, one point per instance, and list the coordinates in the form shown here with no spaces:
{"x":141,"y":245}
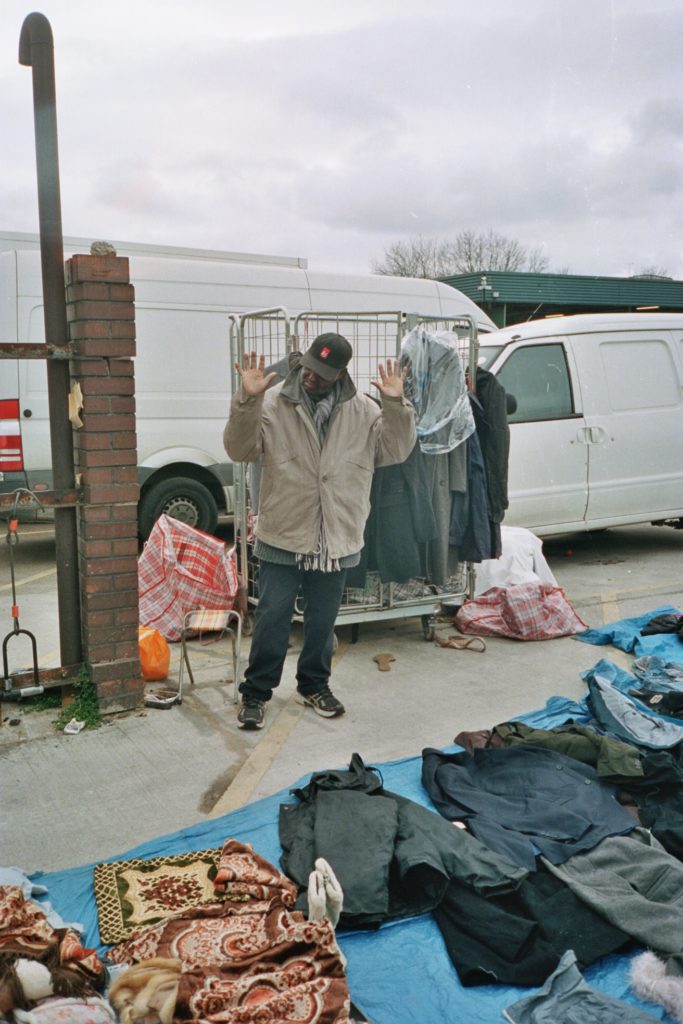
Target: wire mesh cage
{"x":375,"y":337}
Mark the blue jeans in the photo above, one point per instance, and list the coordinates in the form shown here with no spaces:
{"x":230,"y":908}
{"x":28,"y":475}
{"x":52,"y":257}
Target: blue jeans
{"x":278,"y":589}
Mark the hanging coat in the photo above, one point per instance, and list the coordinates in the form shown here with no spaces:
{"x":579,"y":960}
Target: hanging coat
{"x":494,"y":436}
{"x":401,"y":522}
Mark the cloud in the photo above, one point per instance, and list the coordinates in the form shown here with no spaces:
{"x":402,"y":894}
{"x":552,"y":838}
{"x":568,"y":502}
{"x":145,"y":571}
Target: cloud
{"x":334,"y":130}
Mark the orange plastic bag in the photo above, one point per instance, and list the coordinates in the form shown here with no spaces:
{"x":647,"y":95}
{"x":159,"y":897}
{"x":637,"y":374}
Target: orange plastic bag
{"x":155,"y":654}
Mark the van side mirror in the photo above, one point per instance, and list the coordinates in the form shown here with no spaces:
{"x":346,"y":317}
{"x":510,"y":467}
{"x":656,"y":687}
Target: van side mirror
{"x":510,"y":403}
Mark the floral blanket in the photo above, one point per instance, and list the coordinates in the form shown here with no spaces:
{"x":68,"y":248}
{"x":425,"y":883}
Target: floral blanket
{"x":248,"y":958}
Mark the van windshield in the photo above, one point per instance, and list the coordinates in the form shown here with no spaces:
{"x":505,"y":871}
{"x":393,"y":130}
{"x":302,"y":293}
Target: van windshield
{"x":487,"y":353}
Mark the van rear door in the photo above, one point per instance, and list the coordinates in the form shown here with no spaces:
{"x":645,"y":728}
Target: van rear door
{"x":633,"y":406}
{"x":548,"y":466}
{"x":11,"y":451}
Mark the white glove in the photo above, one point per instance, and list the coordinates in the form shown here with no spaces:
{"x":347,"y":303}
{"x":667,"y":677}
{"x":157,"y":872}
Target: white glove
{"x":334,"y":896}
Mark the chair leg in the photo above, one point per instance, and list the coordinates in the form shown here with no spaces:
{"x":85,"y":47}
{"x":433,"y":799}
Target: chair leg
{"x":236,"y":657}
{"x":184,"y":663}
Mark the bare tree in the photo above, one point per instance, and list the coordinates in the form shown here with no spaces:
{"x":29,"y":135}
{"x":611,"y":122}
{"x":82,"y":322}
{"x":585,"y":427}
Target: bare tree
{"x":418,"y":257}
{"x":654,"y":271}
{"x":472,"y":252}
{"x":468,"y":252}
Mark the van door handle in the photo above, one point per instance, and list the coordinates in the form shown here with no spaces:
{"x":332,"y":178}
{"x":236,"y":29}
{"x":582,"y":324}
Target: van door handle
{"x":591,"y":435}
{"x":597,"y":435}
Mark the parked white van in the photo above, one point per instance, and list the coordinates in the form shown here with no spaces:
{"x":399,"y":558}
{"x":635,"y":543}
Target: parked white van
{"x":597,"y":435}
{"x":183,"y":302}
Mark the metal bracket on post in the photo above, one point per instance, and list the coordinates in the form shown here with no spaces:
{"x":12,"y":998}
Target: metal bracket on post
{"x":36,"y":50}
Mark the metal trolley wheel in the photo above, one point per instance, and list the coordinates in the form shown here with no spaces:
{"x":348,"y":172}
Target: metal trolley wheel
{"x":428,"y":628}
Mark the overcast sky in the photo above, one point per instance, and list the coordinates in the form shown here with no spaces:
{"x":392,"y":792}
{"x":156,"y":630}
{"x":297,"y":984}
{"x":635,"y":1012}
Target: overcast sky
{"x":330,"y":129}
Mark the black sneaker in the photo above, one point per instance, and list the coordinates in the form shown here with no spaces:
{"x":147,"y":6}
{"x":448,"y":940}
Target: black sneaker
{"x":323,"y":702}
{"x":252,"y":713}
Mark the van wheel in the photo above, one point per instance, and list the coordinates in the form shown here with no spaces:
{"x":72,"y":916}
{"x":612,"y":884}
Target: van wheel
{"x":180,"y":498}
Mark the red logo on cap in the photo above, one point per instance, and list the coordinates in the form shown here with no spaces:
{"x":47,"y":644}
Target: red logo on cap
{"x":324,"y":352}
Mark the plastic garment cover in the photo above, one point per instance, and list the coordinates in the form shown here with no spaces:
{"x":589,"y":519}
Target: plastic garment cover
{"x":437,"y":388}
{"x":521,"y":561}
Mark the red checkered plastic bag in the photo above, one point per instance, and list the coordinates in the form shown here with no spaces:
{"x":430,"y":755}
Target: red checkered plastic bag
{"x":180,"y":569}
{"x":524,"y":611}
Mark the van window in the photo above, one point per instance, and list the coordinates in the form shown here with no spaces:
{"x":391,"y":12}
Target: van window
{"x":538,"y":377}
{"x":487,"y":354}
{"x":640,"y":374}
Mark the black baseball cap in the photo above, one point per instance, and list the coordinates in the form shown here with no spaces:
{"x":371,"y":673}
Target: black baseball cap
{"x":327,"y":355}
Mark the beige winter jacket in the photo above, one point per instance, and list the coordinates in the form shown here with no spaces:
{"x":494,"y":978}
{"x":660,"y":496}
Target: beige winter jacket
{"x":301,"y":481}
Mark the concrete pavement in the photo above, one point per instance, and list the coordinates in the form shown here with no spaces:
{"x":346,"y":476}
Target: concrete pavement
{"x":67,"y":800}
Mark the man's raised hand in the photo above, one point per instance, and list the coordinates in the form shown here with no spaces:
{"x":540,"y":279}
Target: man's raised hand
{"x":390,"y":382}
{"x":254,"y":380}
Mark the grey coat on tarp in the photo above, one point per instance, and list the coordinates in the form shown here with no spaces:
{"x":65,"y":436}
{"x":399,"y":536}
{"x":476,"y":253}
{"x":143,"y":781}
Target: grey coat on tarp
{"x":635,"y":884}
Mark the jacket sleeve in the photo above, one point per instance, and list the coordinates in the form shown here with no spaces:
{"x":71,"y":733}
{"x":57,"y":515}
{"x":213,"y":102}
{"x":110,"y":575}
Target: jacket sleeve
{"x":396,"y":437}
{"x":242,"y":434}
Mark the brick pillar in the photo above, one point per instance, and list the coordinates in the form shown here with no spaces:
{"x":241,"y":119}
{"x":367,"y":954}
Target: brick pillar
{"x":101,"y":322}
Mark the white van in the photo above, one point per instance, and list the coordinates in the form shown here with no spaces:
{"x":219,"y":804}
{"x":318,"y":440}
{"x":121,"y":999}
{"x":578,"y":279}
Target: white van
{"x":597,"y":435}
{"x":183,"y":302}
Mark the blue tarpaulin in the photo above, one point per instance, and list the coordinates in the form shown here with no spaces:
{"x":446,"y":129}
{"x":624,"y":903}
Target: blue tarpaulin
{"x":625,"y":634}
{"x":400,"y":973}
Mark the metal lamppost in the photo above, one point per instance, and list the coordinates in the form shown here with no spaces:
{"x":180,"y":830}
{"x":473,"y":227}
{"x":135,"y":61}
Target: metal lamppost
{"x":36,"y":51}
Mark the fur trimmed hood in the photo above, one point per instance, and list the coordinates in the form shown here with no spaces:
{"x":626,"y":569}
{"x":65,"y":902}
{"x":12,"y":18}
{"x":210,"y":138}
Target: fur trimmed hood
{"x":653,"y":979}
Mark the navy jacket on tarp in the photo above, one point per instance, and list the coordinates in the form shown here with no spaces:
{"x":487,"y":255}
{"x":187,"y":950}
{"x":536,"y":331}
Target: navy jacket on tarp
{"x":523,"y":800}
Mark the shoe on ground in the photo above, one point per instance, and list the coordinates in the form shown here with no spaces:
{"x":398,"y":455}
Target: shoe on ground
{"x":251,"y":714}
{"x":323,"y":702}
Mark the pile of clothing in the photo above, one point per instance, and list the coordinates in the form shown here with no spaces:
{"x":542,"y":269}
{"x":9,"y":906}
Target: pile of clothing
{"x":248,"y":956}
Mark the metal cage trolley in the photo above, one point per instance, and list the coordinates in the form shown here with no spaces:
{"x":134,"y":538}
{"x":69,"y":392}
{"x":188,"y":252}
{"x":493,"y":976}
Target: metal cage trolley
{"x":374,"y":337}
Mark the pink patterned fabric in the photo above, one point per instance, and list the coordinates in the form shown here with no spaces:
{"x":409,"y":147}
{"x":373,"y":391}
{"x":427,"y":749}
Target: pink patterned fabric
{"x":26,"y":932}
{"x":524,"y":611}
{"x":68,"y":1011}
{"x":180,"y":569}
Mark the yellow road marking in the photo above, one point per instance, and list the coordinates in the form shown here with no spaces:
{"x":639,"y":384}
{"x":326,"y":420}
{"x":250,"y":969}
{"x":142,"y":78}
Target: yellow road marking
{"x":665,"y":588}
{"x":259,"y":761}
{"x":261,"y":758}
{"x":610,"y":606}
{"x":30,"y":579}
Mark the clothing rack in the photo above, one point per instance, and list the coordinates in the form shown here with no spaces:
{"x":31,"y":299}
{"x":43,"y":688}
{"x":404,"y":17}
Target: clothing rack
{"x":374,"y":337}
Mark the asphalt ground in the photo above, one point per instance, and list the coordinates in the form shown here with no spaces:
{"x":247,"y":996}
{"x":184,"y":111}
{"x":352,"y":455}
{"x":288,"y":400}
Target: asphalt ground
{"x":66,"y":800}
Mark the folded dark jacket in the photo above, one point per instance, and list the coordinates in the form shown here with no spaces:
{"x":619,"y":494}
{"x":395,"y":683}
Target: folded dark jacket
{"x":666,"y":623}
{"x":518,"y":938}
{"x":668,"y":702}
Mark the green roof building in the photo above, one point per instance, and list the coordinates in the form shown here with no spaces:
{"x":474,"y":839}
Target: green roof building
{"x":513,"y":297}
